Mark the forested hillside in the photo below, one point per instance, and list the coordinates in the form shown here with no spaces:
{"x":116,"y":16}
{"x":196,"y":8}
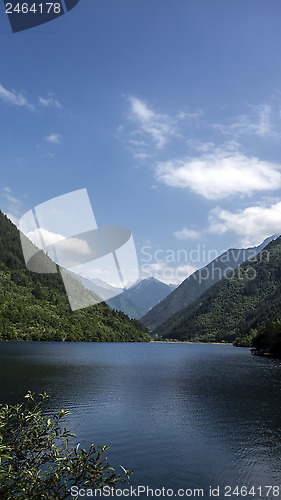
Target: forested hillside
{"x":247,"y":299}
{"x":34,"y":306}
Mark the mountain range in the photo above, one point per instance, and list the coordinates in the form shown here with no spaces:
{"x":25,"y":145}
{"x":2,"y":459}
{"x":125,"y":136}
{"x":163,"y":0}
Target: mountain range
{"x":230,"y":299}
{"x":240,"y":303}
{"x":197,"y":283}
{"x":145,"y":294}
{"x":134,"y":301}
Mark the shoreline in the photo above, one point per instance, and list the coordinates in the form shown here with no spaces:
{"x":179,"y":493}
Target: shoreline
{"x":188,"y":342}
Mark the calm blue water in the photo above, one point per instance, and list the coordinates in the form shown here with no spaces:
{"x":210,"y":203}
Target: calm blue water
{"x":179,"y":415}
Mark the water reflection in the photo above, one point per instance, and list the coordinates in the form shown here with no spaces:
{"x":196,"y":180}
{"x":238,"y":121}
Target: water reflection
{"x":180,"y":415}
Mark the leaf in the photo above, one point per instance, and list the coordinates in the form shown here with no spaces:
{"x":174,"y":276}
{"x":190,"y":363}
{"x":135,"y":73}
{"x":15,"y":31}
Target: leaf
{"x":32,"y":466}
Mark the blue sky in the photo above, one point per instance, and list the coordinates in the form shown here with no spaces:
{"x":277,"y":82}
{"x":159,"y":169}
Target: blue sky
{"x":168,"y":112}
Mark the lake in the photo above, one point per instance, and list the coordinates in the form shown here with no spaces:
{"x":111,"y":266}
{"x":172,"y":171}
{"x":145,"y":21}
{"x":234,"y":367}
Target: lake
{"x":185,"y":416}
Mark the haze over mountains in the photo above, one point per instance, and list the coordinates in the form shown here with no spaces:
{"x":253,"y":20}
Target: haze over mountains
{"x":146,"y":293}
{"x":197,"y":283}
{"x":134,"y":301}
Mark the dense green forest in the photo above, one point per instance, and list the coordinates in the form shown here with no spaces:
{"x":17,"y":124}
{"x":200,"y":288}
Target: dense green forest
{"x":236,"y":306}
{"x":34,"y":306}
{"x":268,"y":339}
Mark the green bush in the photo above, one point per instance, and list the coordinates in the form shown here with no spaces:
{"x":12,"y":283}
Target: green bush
{"x":36,"y":461}
{"x":268,"y":339}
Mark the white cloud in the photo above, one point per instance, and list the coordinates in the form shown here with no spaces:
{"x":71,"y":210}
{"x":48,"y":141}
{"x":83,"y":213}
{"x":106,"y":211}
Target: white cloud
{"x":49,"y":102}
{"x":50,"y":238}
{"x":68,"y":252}
{"x":186,"y":234}
{"x":14,"y":98}
{"x":140,"y":110}
{"x":252,"y":225}
{"x":54,"y":138}
{"x":156,"y":125}
{"x":167,"y":274}
{"x":219,"y":174}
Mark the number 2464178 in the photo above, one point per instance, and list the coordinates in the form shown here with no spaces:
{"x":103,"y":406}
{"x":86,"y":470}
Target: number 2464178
{"x":40,"y":8}
{"x":259,"y":491}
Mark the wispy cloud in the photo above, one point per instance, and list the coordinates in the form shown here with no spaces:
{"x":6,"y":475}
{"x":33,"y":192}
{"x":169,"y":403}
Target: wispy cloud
{"x":14,"y":98}
{"x":252,"y":225}
{"x":18,"y":99}
{"x":183,"y":115}
{"x":12,"y":205}
{"x":149,"y":132}
{"x":54,"y":138}
{"x":186,"y":234}
{"x":158,"y":126}
{"x":152,"y":129}
{"x":258,"y":121}
{"x":220,"y":174}
{"x":49,"y":102}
